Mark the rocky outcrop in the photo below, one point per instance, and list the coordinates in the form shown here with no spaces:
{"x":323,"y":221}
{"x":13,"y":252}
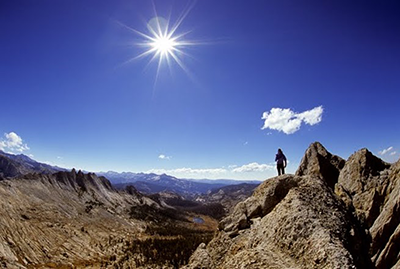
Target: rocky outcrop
{"x":385,"y":246}
{"x":317,"y":161}
{"x":362,"y":184}
{"x":371,"y":188}
{"x":331,"y":214}
{"x":289,"y":222}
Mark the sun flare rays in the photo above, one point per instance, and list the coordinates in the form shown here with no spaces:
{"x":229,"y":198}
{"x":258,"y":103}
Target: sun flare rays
{"x":162,"y":43}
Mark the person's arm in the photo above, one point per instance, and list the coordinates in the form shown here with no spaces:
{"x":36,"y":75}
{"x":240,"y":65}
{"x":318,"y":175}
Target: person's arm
{"x":284,"y":158}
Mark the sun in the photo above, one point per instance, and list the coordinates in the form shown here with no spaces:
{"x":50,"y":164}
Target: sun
{"x":162,"y":42}
{"x":164,"y":45}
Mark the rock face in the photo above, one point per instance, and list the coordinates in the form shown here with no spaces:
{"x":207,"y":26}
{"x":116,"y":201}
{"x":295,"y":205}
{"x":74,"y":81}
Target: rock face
{"x":371,"y":188}
{"x":317,"y":161}
{"x":385,"y":230}
{"x":289,"y":222}
{"x":331,"y":214}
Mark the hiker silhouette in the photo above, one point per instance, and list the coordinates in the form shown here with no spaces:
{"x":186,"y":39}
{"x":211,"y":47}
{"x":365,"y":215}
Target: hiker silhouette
{"x":281,"y":162}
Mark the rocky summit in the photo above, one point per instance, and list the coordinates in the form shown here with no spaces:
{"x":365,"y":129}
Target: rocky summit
{"x":331,"y":214}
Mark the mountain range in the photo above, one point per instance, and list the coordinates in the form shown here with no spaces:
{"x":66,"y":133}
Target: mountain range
{"x":15,"y":165}
{"x":153,"y":183}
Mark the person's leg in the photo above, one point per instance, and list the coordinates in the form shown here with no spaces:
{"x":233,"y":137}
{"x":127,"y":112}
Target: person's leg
{"x":279,"y":169}
{"x":283,"y":169}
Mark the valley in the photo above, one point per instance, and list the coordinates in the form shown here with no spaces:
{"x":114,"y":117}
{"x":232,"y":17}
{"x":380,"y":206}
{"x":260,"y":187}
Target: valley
{"x":53,"y":218}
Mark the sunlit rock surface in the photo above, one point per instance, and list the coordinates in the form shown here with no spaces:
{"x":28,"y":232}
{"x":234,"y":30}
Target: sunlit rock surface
{"x":331,"y":214}
{"x":64,"y":219}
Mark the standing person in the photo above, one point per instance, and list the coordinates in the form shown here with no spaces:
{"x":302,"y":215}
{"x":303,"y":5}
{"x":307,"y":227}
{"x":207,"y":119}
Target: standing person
{"x":281,"y":162}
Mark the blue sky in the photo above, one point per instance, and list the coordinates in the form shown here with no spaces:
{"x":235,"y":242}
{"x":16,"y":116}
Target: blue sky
{"x":262,"y":75}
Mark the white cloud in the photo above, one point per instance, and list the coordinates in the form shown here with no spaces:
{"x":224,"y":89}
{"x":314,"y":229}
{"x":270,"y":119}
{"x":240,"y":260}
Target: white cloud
{"x":389,"y":154}
{"x":164,"y":157}
{"x":287,"y":121}
{"x":13,"y":143}
{"x":385,"y":151}
{"x":253,"y":167}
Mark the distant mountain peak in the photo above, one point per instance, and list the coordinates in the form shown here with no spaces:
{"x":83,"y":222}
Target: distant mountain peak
{"x":12,"y":165}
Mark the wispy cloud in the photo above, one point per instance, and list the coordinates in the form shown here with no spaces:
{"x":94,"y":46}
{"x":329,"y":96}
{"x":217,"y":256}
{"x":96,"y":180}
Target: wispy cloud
{"x":164,"y":157}
{"x":386,"y":151}
{"x":287,"y":121}
{"x":253,"y":167}
{"x":389,"y":154}
{"x":189,"y":171}
{"x":231,"y":171}
{"x":13,"y":143}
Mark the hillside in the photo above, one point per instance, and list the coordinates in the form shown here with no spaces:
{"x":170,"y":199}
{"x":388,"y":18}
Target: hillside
{"x":73,"y":219}
{"x":331,"y":214}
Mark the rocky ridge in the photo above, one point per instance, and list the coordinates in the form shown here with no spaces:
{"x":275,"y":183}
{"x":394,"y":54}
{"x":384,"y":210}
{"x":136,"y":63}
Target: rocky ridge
{"x":78,"y":220}
{"x":62,"y":219}
{"x":331,"y":214}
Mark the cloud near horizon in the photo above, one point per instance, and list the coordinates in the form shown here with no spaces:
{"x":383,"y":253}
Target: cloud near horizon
{"x":253,"y":167}
{"x":287,"y":121}
{"x":247,"y":168}
{"x":13,"y":143}
{"x":186,"y":170}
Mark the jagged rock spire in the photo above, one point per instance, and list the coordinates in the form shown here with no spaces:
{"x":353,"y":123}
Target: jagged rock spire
{"x":317,"y":161}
